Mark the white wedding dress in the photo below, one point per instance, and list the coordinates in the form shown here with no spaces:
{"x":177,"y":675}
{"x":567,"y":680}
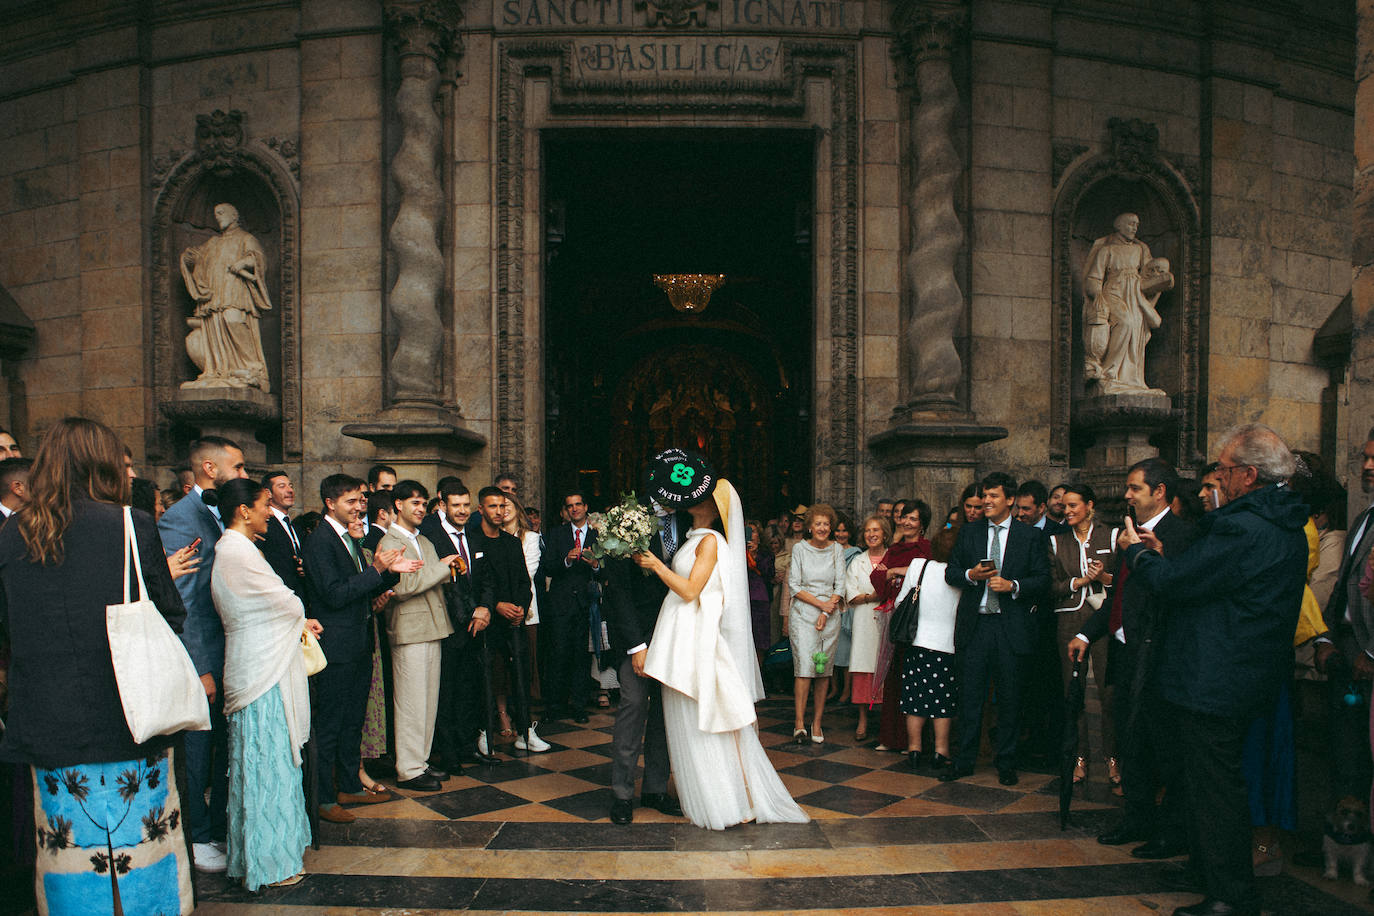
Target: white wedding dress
{"x":703,"y":653}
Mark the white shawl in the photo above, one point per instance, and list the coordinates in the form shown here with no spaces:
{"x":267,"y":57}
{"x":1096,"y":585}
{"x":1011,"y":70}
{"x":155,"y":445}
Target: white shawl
{"x":263,"y":621}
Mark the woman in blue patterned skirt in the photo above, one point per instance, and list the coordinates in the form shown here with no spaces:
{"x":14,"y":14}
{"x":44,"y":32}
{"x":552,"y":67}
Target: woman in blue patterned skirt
{"x":107,"y":811}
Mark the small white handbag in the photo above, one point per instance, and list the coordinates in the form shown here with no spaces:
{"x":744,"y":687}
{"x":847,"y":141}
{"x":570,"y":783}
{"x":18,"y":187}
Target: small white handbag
{"x":158,"y":685}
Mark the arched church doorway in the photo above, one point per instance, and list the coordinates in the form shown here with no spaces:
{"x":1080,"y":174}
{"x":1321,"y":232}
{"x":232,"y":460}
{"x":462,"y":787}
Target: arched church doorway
{"x":625,"y":372}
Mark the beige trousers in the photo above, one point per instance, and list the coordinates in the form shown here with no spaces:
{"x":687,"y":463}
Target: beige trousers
{"x":415,"y":699}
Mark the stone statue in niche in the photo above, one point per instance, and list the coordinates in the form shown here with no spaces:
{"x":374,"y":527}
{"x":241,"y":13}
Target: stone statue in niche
{"x":1122,"y":284}
{"x":225,"y":276}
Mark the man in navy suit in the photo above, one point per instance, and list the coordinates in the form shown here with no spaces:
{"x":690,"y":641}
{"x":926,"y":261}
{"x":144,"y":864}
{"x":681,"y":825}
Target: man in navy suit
{"x":341,"y":589}
{"x":281,"y":546}
{"x":570,"y":567}
{"x":632,"y":604}
{"x":214,"y":461}
{"x":1003,"y":567}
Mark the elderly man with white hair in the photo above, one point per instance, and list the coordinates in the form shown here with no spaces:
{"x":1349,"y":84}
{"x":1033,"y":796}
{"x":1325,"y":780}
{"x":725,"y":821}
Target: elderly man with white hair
{"x":1226,"y":645}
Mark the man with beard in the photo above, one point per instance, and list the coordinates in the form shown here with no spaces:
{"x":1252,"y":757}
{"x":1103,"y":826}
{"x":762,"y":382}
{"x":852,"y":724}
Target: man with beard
{"x":214,"y":460}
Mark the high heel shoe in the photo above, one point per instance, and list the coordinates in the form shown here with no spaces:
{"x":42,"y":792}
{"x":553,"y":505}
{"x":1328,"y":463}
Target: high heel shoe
{"x":1080,"y":770}
{"x":1114,"y":776}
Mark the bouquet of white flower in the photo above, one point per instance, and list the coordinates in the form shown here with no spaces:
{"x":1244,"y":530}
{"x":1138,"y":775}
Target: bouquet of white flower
{"x":624,"y":530}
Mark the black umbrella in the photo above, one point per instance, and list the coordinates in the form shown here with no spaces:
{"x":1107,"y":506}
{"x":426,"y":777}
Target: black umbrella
{"x":488,"y":700}
{"x":678,"y":478}
{"x":1073,"y":706}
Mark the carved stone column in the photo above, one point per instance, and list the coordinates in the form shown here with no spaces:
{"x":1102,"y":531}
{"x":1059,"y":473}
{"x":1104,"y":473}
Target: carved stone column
{"x":424,"y":33}
{"x":930,"y":448}
{"x":932,"y":302}
{"x":416,"y":428}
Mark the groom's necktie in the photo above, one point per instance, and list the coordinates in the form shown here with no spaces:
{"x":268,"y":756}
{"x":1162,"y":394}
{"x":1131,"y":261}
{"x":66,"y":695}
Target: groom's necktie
{"x":669,"y":537}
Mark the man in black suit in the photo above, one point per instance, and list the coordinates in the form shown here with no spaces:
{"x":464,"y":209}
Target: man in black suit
{"x":632,"y":602}
{"x":341,"y":590}
{"x":1032,"y":507}
{"x":1042,"y":713}
{"x":460,"y":689}
{"x":1003,"y":567}
{"x":570,"y":567}
{"x":1349,"y":646}
{"x":380,"y":515}
{"x":502,"y":582}
{"x":1130,"y":616}
{"x":281,"y":546}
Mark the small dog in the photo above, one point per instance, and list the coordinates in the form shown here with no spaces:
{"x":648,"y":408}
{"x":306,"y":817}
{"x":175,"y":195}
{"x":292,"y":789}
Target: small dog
{"x":1346,"y":841}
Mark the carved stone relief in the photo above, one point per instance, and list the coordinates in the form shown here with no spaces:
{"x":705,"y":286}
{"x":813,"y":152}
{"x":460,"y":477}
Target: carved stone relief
{"x":227,"y":166}
{"x":1128,"y":174}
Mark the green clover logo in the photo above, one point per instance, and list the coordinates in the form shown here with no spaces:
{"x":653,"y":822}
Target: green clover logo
{"x":682,"y":474}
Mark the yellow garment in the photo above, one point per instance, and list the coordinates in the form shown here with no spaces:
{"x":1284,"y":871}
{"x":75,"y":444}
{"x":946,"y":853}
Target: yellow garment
{"x":1310,"y":622}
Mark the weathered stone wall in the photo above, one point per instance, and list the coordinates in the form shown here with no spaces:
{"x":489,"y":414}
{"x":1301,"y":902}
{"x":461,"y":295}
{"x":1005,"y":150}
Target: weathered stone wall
{"x":1253,"y":107}
{"x":341,"y":234}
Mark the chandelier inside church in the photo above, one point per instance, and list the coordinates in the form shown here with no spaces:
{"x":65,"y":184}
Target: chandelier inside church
{"x":689,"y":292}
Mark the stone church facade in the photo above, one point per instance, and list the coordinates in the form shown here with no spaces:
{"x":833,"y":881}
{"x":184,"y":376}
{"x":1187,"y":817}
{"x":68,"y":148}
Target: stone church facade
{"x":430,"y":183}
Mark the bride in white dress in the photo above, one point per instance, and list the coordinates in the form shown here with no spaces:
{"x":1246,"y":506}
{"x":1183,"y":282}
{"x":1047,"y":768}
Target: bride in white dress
{"x":703,"y":653}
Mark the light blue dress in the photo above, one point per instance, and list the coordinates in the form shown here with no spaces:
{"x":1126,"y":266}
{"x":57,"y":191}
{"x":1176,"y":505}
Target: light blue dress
{"x":268,"y":828}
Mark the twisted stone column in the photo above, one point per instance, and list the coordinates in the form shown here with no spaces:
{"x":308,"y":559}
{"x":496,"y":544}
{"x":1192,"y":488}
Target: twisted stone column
{"x":423,"y":33}
{"x":931,"y":298}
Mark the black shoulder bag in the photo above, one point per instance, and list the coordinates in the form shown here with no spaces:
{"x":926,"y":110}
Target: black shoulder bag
{"x":901,"y":629}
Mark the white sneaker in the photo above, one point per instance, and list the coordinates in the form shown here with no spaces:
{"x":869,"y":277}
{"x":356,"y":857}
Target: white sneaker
{"x":536,"y":744}
{"x":208,"y":857}
{"x":482,"y":743}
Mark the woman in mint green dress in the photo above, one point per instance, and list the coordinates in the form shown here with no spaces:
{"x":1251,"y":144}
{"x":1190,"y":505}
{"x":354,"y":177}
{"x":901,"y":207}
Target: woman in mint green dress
{"x":266,"y":696}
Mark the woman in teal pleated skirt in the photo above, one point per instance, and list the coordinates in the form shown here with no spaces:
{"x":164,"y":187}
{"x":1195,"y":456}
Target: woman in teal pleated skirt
{"x":266,"y":697}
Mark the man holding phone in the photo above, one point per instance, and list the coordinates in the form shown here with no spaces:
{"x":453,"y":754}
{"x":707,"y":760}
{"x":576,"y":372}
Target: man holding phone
{"x":1003,"y":567}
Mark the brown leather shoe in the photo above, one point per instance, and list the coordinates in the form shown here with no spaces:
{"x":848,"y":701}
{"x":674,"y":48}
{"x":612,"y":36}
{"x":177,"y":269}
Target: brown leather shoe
{"x":365,"y":798}
{"x":336,"y":815}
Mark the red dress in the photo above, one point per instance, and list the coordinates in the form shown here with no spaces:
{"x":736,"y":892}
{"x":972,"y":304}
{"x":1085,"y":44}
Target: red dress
{"x":892,"y":726}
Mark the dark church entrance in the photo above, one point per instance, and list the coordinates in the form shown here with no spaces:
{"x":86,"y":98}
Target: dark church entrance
{"x":626,"y":373}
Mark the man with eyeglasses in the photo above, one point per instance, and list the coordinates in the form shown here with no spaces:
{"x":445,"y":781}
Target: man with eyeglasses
{"x":1225,"y":647}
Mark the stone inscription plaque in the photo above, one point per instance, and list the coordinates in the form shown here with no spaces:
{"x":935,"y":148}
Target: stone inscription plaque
{"x":640,"y":57}
{"x":805,"y":16}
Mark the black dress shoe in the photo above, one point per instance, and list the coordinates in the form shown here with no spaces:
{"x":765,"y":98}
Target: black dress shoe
{"x":1122,"y":834}
{"x":1158,"y":849}
{"x":490,"y":760}
{"x":580,"y":717}
{"x":661,"y":802}
{"x":1182,"y":879}
{"x":1211,"y":906}
{"x":955,"y":772}
{"x":1007,"y":777}
{"x":941,"y":765}
{"x":436,"y":773}
{"x":622,"y":811}
{"x":422,"y":783}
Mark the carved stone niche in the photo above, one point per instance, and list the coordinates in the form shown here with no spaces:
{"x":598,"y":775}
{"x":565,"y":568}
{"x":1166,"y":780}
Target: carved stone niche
{"x":1106,"y":433}
{"x":257,"y":181}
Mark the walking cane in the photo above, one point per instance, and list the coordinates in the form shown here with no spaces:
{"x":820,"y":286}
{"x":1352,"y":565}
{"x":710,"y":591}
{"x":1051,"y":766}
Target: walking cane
{"x":522,"y":690}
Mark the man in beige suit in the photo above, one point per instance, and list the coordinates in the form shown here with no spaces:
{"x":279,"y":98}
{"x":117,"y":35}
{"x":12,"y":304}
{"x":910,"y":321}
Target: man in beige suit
{"x":416,"y":624}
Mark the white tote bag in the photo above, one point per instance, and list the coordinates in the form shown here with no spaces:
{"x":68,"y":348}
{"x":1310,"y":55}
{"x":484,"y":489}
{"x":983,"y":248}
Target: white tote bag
{"x":158,"y":685}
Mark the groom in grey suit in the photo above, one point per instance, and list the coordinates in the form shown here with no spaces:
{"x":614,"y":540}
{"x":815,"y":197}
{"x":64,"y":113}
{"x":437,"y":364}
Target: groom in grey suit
{"x":631,"y":604}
